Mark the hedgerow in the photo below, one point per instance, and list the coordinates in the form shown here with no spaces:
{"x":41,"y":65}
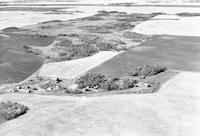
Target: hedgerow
{"x":147,"y":70}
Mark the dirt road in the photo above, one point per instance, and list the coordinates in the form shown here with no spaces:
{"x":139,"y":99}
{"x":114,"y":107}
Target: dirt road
{"x":173,"y":111}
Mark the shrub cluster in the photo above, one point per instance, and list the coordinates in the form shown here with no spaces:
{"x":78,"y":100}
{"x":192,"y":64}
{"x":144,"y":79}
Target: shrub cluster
{"x":89,"y":39}
{"x":69,"y":51}
{"x":105,"y":46}
{"x":85,"y":45}
{"x":10,"y":29}
{"x":104,"y":13}
{"x":147,"y":70}
{"x":108,"y":27}
{"x":92,"y":80}
{"x":111,"y":44}
{"x":96,"y":29}
{"x":10,"y":110}
{"x":99,"y":81}
{"x":135,"y":36}
{"x":158,"y":13}
{"x":122,"y":26}
{"x":51,"y":21}
{"x":134,"y":17}
{"x":187,"y":14}
{"x":76,"y":91}
{"x":129,"y":82}
{"x":92,"y":18}
{"x":112,"y":84}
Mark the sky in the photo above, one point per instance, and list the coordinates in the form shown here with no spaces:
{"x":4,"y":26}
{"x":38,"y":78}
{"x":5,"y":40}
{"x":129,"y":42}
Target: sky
{"x":107,"y":1}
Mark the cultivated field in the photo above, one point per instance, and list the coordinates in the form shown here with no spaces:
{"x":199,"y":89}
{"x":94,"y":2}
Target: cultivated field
{"x":175,"y":52}
{"x":15,"y":64}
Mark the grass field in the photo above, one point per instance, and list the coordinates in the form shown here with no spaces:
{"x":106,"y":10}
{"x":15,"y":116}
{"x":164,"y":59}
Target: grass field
{"x":172,"y":111}
{"x":15,"y":64}
{"x":180,"y":53}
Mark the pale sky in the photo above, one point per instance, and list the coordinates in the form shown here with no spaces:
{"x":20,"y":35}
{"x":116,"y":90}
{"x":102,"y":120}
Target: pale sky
{"x":108,"y":1}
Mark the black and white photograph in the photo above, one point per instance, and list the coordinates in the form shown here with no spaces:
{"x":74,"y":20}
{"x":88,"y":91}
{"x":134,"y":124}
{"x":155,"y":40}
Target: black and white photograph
{"x":99,"y":67}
